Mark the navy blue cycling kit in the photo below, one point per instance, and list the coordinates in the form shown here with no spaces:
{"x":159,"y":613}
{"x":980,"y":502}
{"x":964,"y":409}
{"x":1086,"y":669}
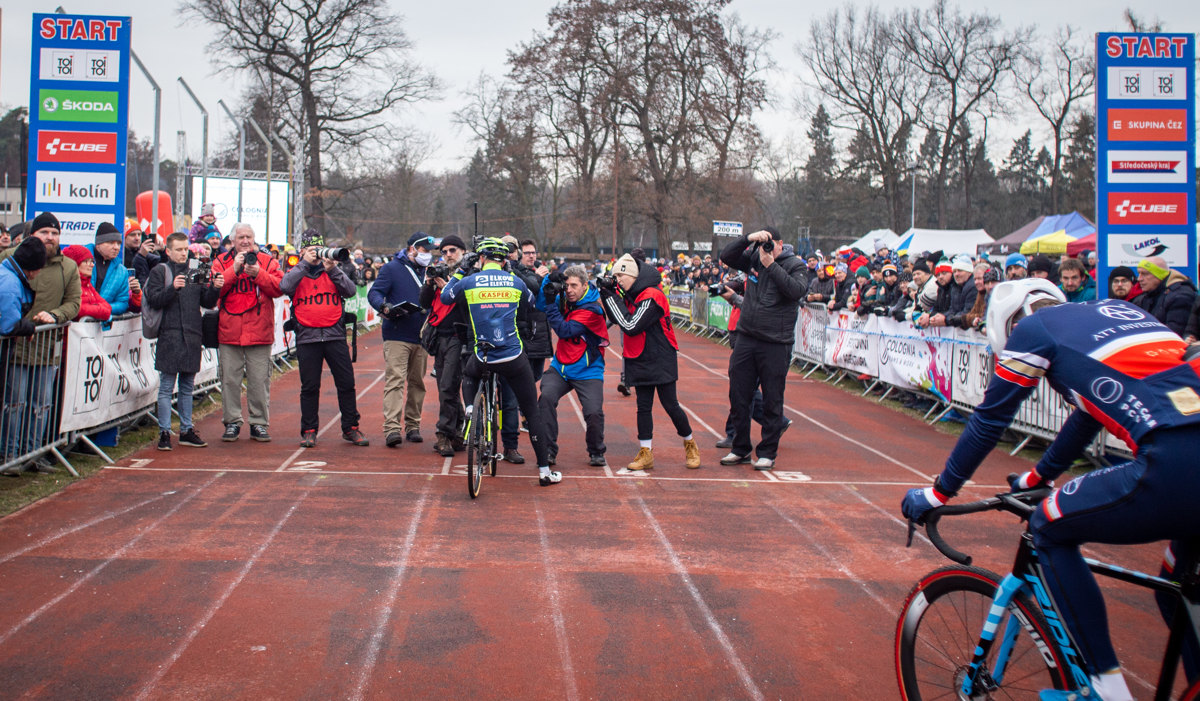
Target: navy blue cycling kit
{"x":1123,"y":371}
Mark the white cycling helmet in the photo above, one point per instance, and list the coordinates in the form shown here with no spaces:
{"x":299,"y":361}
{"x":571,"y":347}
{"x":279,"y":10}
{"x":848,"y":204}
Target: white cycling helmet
{"x":1010,"y":301}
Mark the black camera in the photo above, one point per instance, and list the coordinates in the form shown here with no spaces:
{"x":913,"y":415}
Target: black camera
{"x":251,"y":258}
{"x":717,"y":290}
{"x":341,"y":255}
{"x":607,"y":282}
{"x":199,"y":272}
{"x":437,"y":270}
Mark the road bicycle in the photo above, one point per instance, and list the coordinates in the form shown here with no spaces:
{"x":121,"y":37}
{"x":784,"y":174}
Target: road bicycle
{"x":967,"y":633}
{"x":483,"y":429}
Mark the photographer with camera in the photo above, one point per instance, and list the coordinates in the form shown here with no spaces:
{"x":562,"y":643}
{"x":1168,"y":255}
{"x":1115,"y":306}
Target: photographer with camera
{"x":318,"y":286}
{"x":445,"y":345}
{"x":650,"y":352}
{"x":396,"y":294}
{"x":776,"y":282}
{"x":245,"y":332}
{"x":179,"y":290}
{"x":572,"y":307}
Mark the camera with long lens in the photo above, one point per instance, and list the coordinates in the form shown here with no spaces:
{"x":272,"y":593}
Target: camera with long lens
{"x":437,"y":270}
{"x":341,"y":255}
{"x":607,"y":282}
{"x":199,"y":272}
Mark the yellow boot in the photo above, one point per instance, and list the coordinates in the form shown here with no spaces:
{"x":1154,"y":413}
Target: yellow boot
{"x":691,"y":454}
{"x":643,"y":461}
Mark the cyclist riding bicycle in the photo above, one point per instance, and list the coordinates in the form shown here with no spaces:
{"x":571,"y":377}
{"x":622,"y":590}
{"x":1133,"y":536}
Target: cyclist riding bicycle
{"x":1123,"y":371}
{"x":494,"y":299}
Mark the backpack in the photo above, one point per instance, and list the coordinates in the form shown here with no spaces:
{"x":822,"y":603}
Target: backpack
{"x":151,"y":317}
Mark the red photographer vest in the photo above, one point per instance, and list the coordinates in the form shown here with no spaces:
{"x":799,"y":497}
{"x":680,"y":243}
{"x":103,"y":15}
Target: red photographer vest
{"x":570,"y":350}
{"x":317,"y":303}
{"x":244,"y":295}
{"x":439,"y":311}
{"x":633,"y":345}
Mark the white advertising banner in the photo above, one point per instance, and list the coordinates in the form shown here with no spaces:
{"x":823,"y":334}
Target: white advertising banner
{"x":973,"y":363}
{"x":852,"y":342}
{"x":223,"y":192}
{"x":913,"y":358}
{"x":810,"y":334}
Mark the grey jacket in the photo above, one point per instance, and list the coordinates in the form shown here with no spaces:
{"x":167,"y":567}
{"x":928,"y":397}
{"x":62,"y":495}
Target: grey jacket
{"x":345,"y":287}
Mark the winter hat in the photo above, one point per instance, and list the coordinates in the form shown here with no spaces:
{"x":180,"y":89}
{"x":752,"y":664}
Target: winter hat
{"x":943,"y":266}
{"x":962,"y":263}
{"x":30,"y":255}
{"x":453,"y":240}
{"x":1016,"y":259}
{"x":625,"y":265}
{"x":991,"y":275}
{"x":841,"y":268}
{"x":213,"y":235}
{"x":889,"y":268}
{"x":879,"y":245}
{"x":905,"y":276}
{"x":44,"y":220}
{"x":312,"y":237}
{"x":208,"y":209}
{"x":862,"y":272}
{"x":1160,"y":273}
{"x":78,"y":253}
{"x":107,"y":232}
{"x":1042,"y":263}
{"x":923,"y":266}
{"x":1122,"y":271}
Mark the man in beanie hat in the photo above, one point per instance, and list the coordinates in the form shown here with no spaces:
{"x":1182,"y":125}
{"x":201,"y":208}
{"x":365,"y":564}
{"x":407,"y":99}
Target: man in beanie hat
{"x":1016,"y":267}
{"x":1041,"y":266}
{"x":33,"y":374}
{"x":446,"y":349}
{"x":396,"y":290}
{"x":16,"y":294}
{"x":205,"y":224}
{"x":1122,"y":283}
{"x":962,"y":292}
{"x":1167,"y":294}
{"x":110,"y":277}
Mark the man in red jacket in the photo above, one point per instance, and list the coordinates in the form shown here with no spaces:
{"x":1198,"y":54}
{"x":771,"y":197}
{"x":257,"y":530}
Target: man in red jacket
{"x":246,"y":331}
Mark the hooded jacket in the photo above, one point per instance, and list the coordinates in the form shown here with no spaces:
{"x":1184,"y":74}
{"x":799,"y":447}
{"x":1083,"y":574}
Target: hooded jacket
{"x":55,"y":290}
{"x":772,"y":299}
{"x":648,"y":344}
{"x":111,"y":280}
{"x":92,"y":304}
{"x":962,"y":298}
{"x":247,"y":306}
{"x":1171,"y":303}
{"x":16,"y":296}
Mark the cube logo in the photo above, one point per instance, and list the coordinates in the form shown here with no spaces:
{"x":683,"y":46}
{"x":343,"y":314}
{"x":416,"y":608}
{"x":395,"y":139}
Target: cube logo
{"x":1147,"y":208}
{"x":1147,"y":125}
{"x":77,"y":106}
{"x":77,"y":147}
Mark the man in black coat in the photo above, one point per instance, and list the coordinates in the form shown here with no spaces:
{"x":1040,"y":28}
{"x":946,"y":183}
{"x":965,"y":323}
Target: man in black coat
{"x":776,"y":282}
{"x":172,"y":288}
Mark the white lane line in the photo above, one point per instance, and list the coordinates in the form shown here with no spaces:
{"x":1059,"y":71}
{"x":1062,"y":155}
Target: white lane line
{"x":560,"y":627}
{"x":804,"y":533}
{"x":822,"y":426}
{"x":216,"y":605}
{"x":727,"y":647}
{"x":111,"y":559}
{"x":75,"y":529}
{"x":336,"y":417}
{"x":702,"y":422}
{"x":446,"y":465}
{"x":389,"y":603}
{"x":582,"y":422}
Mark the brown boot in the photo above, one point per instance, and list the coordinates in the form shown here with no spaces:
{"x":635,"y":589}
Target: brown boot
{"x":442,"y":446}
{"x":643,"y":461}
{"x":691,"y":454}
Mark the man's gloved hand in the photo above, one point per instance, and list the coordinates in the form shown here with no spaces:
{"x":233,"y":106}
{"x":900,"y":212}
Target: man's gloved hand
{"x":1029,"y":480}
{"x":467,"y":266}
{"x":393,"y":312}
{"x":24,"y":327}
{"x":919,"y":502}
{"x":550,"y":292}
{"x":898,"y":315}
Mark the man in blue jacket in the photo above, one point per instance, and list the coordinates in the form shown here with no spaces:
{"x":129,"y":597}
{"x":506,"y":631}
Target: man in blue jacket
{"x":400,"y":281}
{"x":578,"y":363}
{"x":16,"y":295}
{"x":110,"y":277}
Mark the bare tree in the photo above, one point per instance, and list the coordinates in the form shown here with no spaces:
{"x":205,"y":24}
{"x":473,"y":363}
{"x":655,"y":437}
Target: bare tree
{"x":1055,"y":84}
{"x":860,"y":68}
{"x":347,"y":62}
{"x":966,"y":58}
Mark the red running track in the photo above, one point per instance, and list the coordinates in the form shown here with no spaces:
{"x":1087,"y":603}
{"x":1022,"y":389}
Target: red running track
{"x":262,"y":571}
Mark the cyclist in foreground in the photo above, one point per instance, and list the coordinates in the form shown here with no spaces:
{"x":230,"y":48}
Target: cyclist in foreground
{"x":493,"y":299}
{"x":1123,"y":371}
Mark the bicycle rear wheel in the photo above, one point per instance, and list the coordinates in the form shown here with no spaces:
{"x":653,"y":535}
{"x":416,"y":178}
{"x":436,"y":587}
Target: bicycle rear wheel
{"x":939,"y":630}
{"x":478,"y":449}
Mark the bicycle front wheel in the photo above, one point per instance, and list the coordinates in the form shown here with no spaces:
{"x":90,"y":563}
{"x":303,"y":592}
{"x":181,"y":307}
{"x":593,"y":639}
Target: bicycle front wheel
{"x":478,"y":448}
{"x":494,"y":421}
{"x":939,"y":630}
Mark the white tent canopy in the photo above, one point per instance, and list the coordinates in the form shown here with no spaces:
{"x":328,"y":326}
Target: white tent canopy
{"x":950,"y":241}
{"x":867,"y":242}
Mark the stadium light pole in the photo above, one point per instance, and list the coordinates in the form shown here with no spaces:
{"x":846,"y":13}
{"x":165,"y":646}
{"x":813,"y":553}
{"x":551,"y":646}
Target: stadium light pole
{"x":291,"y":174}
{"x":203,"y":138}
{"x":270,"y":148}
{"x":157,"y":128}
{"x":241,"y":153}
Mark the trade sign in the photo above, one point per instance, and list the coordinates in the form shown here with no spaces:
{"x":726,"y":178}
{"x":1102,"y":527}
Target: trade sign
{"x":79,"y":81}
{"x":1145,"y":151}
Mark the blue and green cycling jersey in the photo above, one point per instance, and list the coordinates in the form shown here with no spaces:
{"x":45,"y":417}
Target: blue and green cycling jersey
{"x":492,"y":297}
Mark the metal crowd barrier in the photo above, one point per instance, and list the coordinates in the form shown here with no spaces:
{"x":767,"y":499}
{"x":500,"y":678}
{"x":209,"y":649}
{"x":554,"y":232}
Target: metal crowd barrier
{"x":29,"y":373}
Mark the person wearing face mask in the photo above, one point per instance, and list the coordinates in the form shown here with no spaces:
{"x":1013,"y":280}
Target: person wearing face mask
{"x":394,"y":294}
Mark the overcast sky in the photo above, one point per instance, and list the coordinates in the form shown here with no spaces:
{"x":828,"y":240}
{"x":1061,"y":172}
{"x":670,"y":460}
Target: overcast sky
{"x":459,"y":39}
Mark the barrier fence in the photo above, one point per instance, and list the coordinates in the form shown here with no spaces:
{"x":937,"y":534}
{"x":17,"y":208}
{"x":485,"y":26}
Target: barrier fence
{"x":948,"y":367}
{"x":69,"y":381}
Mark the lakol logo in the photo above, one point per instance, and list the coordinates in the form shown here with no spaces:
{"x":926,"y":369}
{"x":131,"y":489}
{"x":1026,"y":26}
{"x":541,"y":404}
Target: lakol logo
{"x":77,"y":106}
{"x":66,"y":187}
{"x":77,"y":147}
{"x":1147,"y":208}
